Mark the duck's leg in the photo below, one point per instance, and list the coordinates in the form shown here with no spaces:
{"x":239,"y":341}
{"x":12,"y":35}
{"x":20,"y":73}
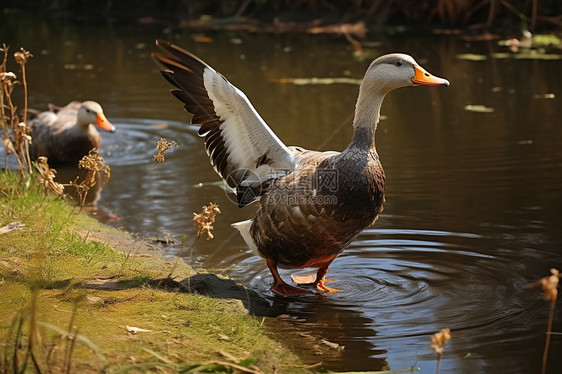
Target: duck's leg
{"x":279,"y":285}
{"x":319,"y":281}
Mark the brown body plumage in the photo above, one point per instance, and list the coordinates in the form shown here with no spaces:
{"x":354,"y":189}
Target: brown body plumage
{"x":66,"y":134}
{"x":312,"y":204}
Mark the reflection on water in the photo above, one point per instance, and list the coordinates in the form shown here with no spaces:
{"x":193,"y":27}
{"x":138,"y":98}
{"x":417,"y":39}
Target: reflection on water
{"x":474,"y":205}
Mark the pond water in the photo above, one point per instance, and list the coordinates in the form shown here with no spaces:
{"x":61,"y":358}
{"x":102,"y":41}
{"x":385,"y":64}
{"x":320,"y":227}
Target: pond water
{"x":474,"y":199}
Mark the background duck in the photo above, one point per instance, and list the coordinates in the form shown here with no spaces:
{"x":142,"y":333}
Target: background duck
{"x":312,"y":204}
{"x":66,"y":134}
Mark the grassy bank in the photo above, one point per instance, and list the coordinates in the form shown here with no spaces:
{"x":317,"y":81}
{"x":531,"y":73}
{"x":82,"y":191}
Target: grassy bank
{"x":81,"y":297}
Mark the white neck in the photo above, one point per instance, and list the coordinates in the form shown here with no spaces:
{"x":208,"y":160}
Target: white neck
{"x":367,"y":115}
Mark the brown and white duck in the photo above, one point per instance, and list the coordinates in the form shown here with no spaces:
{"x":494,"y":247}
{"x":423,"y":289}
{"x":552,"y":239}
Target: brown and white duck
{"x":312,"y":204}
{"x":66,"y":134}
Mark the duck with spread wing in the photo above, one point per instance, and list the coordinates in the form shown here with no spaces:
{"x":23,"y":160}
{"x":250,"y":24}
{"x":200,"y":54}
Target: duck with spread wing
{"x":311,"y":204}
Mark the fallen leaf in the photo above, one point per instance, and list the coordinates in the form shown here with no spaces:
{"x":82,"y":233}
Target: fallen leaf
{"x":332,"y":345}
{"x":135,"y":330}
{"x":528,"y":56}
{"x":314,"y":81}
{"x":546,"y":39}
{"x":94,"y":300}
{"x":478,"y":108}
{"x":544,"y":96}
{"x":11,"y":227}
{"x":202,"y":39}
{"x":471,"y":57}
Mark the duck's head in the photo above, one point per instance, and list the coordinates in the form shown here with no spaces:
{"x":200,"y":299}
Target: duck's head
{"x":396,"y":70}
{"x":91,"y":113}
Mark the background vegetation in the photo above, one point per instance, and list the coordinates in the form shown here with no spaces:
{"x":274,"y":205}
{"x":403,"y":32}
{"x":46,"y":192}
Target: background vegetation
{"x":543,"y":14}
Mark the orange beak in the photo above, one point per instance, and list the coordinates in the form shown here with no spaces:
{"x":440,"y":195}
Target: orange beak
{"x":423,"y":77}
{"x":104,"y":123}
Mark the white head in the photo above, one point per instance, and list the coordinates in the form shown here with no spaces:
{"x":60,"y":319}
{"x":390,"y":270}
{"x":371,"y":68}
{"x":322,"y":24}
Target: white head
{"x":91,"y":112}
{"x":385,"y":74}
{"x":396,"y":70}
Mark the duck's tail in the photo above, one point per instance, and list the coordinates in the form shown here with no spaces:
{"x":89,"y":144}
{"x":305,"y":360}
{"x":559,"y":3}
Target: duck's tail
{"x":244,"y":228}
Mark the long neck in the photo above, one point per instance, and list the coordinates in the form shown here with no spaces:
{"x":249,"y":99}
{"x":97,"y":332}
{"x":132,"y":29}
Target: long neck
{"x":82,"y":129}
{"x":367,"y":114}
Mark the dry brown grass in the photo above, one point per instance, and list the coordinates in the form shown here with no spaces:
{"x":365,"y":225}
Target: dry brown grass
{"x":16,"y":134}
{"x":438,"y":341}
{"x":205,"y":219}
{"x":47,"y":177}
{"x":549,"y":285}
{"x":94,"y":163}
{"x":162,"y":146}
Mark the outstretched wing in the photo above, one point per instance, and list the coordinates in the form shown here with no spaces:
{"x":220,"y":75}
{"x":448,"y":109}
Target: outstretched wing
{"x":242,"y":148}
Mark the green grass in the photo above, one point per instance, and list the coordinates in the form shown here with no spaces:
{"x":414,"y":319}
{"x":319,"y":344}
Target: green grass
{"x":50,"y":275}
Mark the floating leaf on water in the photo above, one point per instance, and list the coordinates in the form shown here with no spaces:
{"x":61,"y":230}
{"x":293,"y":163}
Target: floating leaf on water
{"x":548,"y":39}
{"x":471,"y":57}
{"x":478,"y":108}
{"x":332,"y":345}
{"x":310,"y":81}
{"x":544,"y":96}
{"x":464,"y":356}
{"x":202,"y":39}
{"x":219,"y":184}
{"x":528,"y":56}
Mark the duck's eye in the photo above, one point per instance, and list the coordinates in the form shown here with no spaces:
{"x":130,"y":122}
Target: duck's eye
{"x":399,"y":63}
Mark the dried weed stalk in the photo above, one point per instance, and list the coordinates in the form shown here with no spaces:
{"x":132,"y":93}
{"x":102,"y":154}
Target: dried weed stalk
{"x":438,"y":344}
{"x":47,"y":177}
{"x":204,"y":222}
{"x":94,"y":163}
{"x":162,"y":146}
{"x":16,"y":134}
{"x":549,"y":286}
{"x":205,"y":219}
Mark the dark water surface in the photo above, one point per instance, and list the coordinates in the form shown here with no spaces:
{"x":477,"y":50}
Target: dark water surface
{"x":474,"y":203}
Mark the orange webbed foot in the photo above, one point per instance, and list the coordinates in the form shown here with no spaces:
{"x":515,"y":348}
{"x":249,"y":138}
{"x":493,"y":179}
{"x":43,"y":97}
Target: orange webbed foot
{"x":283,"y":289}
{"x":310,"y":281}
{"x":322,"y":287}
